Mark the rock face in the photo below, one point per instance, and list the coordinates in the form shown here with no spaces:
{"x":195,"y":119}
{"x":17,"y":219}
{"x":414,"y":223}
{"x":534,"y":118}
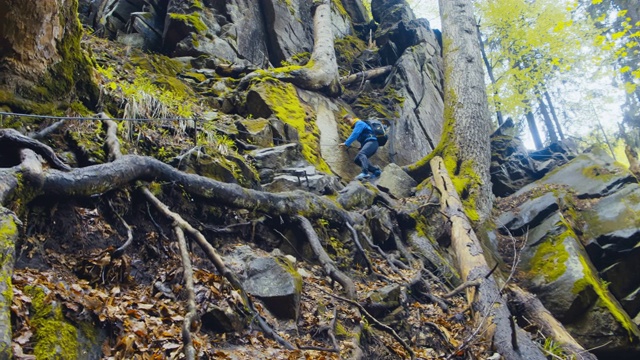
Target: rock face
{"x":411,"y":47}
{"x":513,"y":166}
{"x":580,"y":222}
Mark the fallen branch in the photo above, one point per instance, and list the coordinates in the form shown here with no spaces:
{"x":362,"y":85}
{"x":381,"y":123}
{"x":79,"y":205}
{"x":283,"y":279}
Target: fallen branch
{"x":365,"y":75}
{"x":191,"y":317}
{"x":491,"y":314}
{"x":529,"y":306}
{"x":325,"y":260}
{"x":461,"y":287}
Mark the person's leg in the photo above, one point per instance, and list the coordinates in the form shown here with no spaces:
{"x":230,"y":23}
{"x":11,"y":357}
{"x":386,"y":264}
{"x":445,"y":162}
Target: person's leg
{"x":369,"y":149}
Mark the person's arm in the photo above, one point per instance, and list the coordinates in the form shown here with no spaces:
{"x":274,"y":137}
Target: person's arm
{"x":357,"y":130}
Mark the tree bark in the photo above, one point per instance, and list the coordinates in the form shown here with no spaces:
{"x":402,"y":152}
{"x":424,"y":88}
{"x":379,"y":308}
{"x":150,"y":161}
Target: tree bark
{"x":491,"y":314}
{"x":40,"y":46}
{"x":466,"y":144}
{"x":552,"y":109}
{"x":321,"y":72}
{"x":529,"y":306}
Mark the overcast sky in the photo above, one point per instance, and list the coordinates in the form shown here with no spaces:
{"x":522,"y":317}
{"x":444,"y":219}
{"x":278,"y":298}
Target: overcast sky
{"x":427,"y":9}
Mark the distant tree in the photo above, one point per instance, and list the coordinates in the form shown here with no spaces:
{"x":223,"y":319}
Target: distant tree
{"x":529,"y":45}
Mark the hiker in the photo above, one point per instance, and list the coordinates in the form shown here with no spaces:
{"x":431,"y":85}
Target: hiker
{"x":368,"y":146}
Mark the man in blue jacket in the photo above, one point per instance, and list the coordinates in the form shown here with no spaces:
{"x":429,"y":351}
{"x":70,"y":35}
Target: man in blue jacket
{"x":363,"y":133}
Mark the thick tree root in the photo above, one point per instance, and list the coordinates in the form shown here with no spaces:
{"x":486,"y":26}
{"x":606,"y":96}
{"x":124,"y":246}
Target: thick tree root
{"x":13,"y":138}
{"x":325,"y":260}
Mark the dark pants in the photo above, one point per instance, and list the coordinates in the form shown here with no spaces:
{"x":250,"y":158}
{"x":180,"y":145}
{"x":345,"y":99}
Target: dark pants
{"x":366,"y":151}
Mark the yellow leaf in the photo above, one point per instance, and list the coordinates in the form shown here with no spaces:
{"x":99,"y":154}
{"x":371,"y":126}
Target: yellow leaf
{"x":622,"y":13}
{"x":630,"y":87}
{"x":625,"y":69}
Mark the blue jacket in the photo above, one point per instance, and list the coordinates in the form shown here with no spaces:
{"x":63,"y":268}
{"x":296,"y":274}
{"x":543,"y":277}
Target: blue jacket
{"x":361,"y":132}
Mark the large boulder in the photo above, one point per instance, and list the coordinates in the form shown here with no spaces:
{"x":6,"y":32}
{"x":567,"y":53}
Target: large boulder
{"x":396,"y":181}
{"x":579,"y":226}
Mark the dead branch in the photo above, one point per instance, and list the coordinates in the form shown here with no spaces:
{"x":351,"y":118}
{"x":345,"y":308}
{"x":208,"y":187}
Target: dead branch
{"x":48,"y":130}
{"x":529,"y":306}
{"x":325,"y":260}
{"x":371,"y":318}
{"x":191,"y":317}
{"x":492,"y":316}
{"x":461,"y":287}
{"x":366,"y":75}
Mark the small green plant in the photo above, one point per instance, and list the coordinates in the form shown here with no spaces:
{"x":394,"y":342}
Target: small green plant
{"x":554,"y":350}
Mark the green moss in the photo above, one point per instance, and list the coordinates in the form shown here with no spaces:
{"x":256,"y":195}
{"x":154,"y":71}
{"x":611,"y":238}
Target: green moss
{"x":289,"y":267}
{"x":55,"y":338}
{"x":192,"y":20}
{"x":197,"y":76}
{"x":283,"y":100}
{"x":598,"y":172}
{"x":551,"y":256}
{"x":605,"y":298}
{"x":75,"y":71}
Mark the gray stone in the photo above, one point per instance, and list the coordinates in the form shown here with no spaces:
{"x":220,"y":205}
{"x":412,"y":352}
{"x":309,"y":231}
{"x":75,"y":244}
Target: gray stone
{"x":222,"y":320}
{"x":397,"y":181}
{"x":383,"y":299}
{"x":355,"y":195}
{"x":528,"y":215}
{"x":277,"y":283}
{"x":278,"y":157}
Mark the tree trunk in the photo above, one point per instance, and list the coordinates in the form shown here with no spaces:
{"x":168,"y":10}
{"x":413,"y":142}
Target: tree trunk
{"x":467,"y":124}
{"x":40,"y":46}
{"x":551,"y":130}
{"x":321,"y":72}
{"x":491,"y":77}
{"x":531,"y":121}
{"x":554,"y":115}
{"x":491,"y":314}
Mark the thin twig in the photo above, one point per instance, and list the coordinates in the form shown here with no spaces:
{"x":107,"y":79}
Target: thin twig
{"x":191,"y":317}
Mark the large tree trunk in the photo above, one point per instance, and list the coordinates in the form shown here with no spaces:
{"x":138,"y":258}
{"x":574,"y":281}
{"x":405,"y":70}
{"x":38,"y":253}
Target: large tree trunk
{"x":491,"y":314}
{"x":467,"y":124}
{"x":40,"y":46}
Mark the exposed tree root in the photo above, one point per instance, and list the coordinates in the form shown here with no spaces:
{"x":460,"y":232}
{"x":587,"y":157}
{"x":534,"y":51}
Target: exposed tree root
{"x":13,"y":138}
{"x":191,"y":318}
{"x":359,"y":247}
{"x":325,"y":260}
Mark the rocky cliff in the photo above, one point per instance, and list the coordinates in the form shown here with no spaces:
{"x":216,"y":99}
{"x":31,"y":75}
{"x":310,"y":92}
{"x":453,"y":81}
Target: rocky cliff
{"x":203,"y":132}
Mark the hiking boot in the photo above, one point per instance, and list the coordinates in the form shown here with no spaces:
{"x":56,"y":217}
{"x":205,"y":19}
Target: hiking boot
{"x":376,"y":174}
{"x":362,"y":176}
